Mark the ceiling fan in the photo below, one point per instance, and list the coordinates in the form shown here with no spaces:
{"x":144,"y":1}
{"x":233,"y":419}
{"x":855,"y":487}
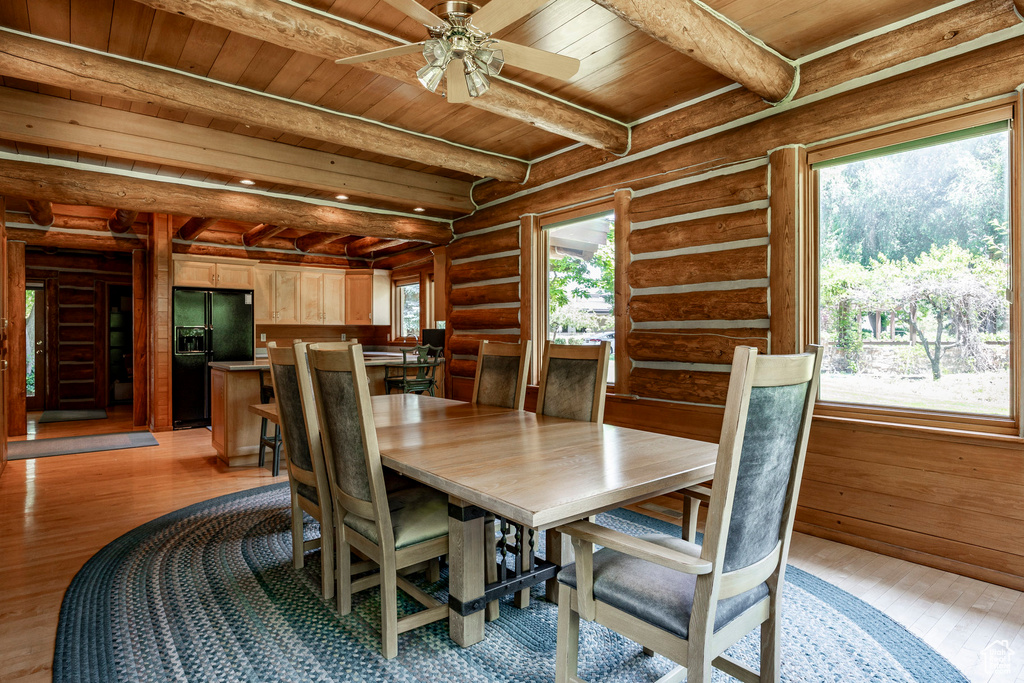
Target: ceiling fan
{"x":461,"y":49}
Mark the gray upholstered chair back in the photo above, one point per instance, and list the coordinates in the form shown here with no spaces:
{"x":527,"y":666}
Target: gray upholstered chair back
{"x":501,"y":374}
{"x":289,"y":410}
{"x":342,"y":430}
{"x":771,"y":436}
{"x":572,"y":384}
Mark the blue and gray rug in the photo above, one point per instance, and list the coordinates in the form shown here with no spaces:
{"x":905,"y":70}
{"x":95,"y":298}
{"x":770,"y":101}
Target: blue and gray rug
{"x":208,"y":593}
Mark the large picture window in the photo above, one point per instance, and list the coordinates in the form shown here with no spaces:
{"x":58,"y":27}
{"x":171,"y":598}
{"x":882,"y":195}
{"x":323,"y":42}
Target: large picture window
{"x":914,"y":262}
{"x":409,"y":310}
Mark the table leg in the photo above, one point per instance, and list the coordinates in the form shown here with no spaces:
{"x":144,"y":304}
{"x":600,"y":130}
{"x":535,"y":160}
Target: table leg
{"x":465,"y":571}
{"x":558,"y":549}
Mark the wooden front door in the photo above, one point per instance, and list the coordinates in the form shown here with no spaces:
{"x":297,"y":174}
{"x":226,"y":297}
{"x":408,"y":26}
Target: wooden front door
{"x":35,"y":348}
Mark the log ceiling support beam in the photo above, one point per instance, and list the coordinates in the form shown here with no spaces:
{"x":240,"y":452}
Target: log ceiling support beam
{"x":82,"y":127}
{"x":296,"y":29}
{"x":369,"y":245}
{"x":690,"y":28}
{"x":312,"y":240}
{"x":75,"y":186}
{"x":66,"y":66}
{"x":122,"y":221}
{"x":404,"y":258}
{"x":261,"y":232}
{"x":1019,"y":6}
{"x":194,"y":227}
{"x":40,"y":212}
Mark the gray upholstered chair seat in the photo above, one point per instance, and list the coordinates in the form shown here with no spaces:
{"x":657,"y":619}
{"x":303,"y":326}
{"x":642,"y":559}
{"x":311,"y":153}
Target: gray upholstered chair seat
{"x":660,"y":596}
{"x":418,"y":514}
{"x":308,"y":492}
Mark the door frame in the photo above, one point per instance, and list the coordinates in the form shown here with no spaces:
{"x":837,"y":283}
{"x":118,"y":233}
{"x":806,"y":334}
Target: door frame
{"x":38,"y":401}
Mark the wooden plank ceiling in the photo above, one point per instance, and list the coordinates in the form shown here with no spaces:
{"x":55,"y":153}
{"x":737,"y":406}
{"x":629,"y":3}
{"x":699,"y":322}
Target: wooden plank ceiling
{"x":625,"y":75}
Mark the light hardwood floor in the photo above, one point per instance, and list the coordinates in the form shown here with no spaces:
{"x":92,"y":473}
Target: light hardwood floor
{"x":57,"y":512}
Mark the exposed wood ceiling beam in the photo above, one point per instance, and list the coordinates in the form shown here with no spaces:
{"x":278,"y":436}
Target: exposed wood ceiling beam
{"x":75,"y":186}
{"x":691,"y":29}
{"x":297,"y":29}
{"x":45,"y":120}
{"x":40,"y":212}
{"x":66,"y":66}
{"x":404,"y":258}
{"x":261,"y":232}
{"x":121,"y":220}
{"x":57,"y":238}
{"x":312,"y":240}
{"x":368,"y":245}
{"x":194,"y":227}
{"x":61,"y":221}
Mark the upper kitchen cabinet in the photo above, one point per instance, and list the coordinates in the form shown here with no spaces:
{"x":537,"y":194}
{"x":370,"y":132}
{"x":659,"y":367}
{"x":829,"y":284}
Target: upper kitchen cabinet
{"x":197,"y":272}
{"x":299,"y":296}
{"x":368,"y":297}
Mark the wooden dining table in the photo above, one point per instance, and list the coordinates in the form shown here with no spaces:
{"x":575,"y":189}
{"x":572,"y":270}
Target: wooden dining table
{"x":530,"y":469}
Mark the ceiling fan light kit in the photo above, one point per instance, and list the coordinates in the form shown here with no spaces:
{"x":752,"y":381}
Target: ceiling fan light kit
{"x":459,"y":49}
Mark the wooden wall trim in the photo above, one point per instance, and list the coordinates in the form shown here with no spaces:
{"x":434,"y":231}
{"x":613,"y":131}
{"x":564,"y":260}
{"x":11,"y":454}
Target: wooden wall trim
{"x":623,"y":324}
{"x":529,"y":231}
{"x":160,"y":284}
{"x":785,"y":168}
{"x":17,"y":423}
{"x":140,"y":339}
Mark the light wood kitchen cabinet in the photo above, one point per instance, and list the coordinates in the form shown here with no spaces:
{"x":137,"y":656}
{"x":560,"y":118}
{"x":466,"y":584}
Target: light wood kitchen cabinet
{"x":359,"y":299}
{"x":196,"y":273}
{"x":334,"y":298}
{"x":311,"y":298}
{"x":235,"y":276}
{"x":264,"y":304}
{"x":368,"y":297}
{"x":287,"y":297}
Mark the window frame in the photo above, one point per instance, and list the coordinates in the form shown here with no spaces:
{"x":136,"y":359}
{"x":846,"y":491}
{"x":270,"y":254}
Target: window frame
{"x":543,"y":224}
{"x":397,"y":284}
{"x":1001,"y":109}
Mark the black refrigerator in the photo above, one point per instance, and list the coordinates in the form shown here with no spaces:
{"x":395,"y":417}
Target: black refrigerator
{"x":209,"y":325}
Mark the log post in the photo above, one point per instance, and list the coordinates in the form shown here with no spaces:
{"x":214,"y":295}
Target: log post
{"x":122,"y":221}
{"x":160,"y":276}
{"x":784,"y":202}
{"x":140,"y":339}
{"x":40,"y":212}
{"x":623,"y":325}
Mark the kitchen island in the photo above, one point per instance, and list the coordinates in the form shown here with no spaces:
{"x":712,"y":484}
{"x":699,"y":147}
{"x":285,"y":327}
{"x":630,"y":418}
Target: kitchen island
{"x":234,"y":386}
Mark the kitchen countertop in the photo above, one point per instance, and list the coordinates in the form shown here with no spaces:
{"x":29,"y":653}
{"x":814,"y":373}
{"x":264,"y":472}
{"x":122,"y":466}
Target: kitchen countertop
{"x":371,"y":357}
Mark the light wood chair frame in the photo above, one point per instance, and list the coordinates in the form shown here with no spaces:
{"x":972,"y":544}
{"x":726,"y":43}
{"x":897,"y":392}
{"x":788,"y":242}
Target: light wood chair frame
{"x":324,"y":511}
{"x":596,"y":352}
{"x":384,"y":554}
{"x":506,"y":349}
{"x":704,"y":647}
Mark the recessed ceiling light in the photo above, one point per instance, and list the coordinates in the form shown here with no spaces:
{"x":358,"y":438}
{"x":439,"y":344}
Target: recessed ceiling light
{"x":246,"y":181}
{"x":342,"y":197}
{"x":419,"y":209}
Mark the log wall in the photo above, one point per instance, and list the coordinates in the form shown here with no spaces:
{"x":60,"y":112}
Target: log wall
{"x":715,"y":215}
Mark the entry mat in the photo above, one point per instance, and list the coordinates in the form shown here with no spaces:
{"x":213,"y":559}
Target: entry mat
{"x":72,"y":415}
{"x":65,"y":445}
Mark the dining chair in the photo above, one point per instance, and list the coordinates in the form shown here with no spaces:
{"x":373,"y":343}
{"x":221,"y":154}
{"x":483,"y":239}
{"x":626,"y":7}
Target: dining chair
{"x":687,"y":602}
{"x":424,"y":360}
{"x":271,"y":442}
{"x":501,"y":378}
{"x":572,"y":386}
{"x":501,"y":371}
{"x":394,"y":529}
{"x":307,"y":473}
{"x":573,"y":381}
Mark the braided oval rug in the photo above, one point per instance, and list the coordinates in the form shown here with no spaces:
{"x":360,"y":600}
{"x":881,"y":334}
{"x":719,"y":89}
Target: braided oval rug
{"x":208,"y":594}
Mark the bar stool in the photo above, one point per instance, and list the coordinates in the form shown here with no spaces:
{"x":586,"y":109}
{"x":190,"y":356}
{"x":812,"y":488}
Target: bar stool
{"x":272,"y":442}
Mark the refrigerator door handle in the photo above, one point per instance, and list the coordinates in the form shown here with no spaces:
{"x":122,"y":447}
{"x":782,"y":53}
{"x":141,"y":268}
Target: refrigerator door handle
{"x":209,"y":339}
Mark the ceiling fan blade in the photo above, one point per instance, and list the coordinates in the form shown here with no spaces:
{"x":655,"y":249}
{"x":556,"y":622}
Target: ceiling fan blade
{"x":455,"y":82}
{"x":497,"y":14}
{"x":416,"y":11}
{"x":540,"y":61}
{"x":382,"y":54}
